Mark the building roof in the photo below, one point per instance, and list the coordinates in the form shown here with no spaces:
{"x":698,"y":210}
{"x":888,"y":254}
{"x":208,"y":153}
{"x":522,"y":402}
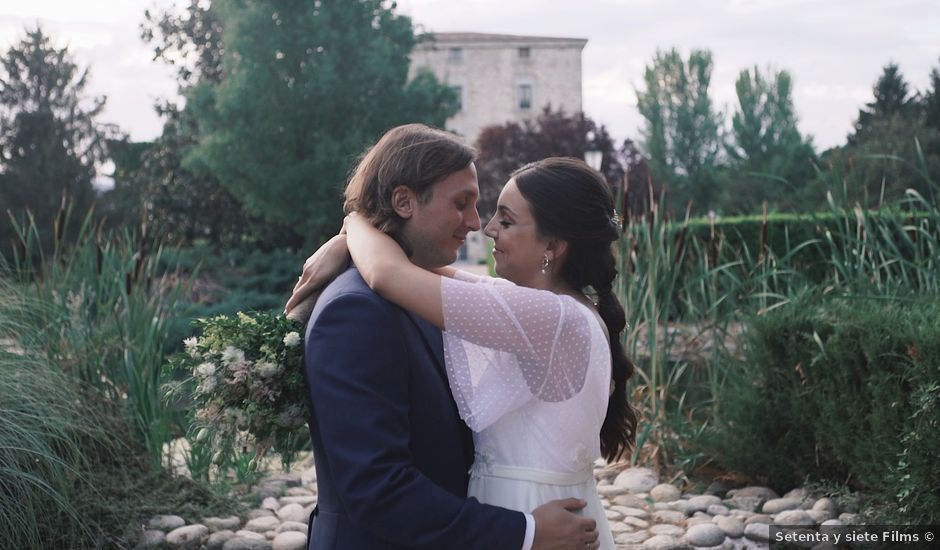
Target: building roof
{"x":485,"y":39}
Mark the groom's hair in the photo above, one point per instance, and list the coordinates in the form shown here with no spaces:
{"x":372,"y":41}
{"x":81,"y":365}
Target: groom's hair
{"x":413,"y":155}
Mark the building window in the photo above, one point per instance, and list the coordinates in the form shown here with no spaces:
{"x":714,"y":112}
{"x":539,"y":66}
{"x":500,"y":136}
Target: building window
{"x":525,"y":52}
{"x":525,"y":97}
{"x":455,"y":55}
{"x":458,"y":91}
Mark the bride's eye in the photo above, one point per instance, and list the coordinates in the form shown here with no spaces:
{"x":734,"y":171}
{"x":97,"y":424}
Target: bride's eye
{"x":504,"y":223}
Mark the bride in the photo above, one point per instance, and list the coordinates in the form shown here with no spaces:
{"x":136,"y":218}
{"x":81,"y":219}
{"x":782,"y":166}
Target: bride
{"x":534,"y":363}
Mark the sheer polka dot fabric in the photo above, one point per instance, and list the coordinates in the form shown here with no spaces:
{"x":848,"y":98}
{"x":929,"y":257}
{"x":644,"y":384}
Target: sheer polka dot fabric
{"x":506,"y":345}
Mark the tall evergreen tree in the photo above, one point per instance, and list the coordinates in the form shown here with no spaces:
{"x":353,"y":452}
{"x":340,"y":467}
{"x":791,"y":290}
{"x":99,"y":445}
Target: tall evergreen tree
{"x":50,"y":140}
{"x":680,"y":136}
{"x":932,"y":100}
{"x":304,"y":87}
{"x":893,"y":97}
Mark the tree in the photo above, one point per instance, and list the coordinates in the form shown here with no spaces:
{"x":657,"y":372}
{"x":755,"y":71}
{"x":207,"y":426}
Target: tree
{"x":932,"y":100}
{"x":892,"y":98}
{"x":768,"y":159}
{"x":49,"y":138}
{"x":177,"y":205}
{"x":504,"y":148}
{"x":893,"y":143}
{"x":680,"y":137}
{"x":303,"y":87}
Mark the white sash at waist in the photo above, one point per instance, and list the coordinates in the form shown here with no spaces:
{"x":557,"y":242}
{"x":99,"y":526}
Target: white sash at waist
{"x":533,"y":474}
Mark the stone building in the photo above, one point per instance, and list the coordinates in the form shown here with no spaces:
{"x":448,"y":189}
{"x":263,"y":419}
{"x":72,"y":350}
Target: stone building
{"x":500,"y":78}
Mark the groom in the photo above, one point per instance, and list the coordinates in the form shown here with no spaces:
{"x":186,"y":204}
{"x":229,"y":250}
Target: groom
{"x":391,"y":453}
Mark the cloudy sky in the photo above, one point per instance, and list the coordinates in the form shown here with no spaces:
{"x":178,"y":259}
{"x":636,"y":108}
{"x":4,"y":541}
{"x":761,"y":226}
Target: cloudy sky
{"x":834,"y":49}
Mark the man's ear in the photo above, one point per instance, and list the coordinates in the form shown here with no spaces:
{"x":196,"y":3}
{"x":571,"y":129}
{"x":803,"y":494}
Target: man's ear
{"x":404,"y":201}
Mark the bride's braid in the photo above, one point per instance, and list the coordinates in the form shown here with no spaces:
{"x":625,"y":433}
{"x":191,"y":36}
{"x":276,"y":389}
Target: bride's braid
{"x":572,"y":202}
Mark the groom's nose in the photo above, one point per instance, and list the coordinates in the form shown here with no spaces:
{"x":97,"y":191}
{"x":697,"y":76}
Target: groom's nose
{"x":472,"y":219}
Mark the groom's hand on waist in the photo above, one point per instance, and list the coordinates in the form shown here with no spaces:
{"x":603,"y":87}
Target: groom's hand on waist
{"x":557,"y":527}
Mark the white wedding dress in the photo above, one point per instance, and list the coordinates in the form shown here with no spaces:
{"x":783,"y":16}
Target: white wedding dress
{"x":530,"y":372}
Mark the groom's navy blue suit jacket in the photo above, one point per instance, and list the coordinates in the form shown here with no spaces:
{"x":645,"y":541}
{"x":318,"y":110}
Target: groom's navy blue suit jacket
{"x":391,"y":452}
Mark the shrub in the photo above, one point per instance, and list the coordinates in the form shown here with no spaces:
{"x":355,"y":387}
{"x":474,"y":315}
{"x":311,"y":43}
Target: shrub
{"x":843,"y":389}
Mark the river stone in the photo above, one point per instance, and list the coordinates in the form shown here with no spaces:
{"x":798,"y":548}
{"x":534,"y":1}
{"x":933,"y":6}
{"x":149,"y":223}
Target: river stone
{"x":610,"y":490}
{"x":793,"y":517}
{"x":698,"y":521}
{"x":798,"y":493}
{"x":848,"y":519}
{"x":246,"y":543}
{"x":613,"y":515}
{"x":832,"y":523}
{"x":780,"y":505}
{"x":665,"y":492}
{"x":667,"y":529}
{"x":222,"y":524}
{"x":674,"y":505}
{"x":825,"y":505}
{"x":298,"y":492}
{"x":698,"y":503}
{"x":630,"y":501}
{"x":765,"y":493}
{"x":302,"y":500}
{"x":663,"y":542}
{"x":634,"y":512}
{"x":706,"y":534}
{"x":291,"y":526}
{"x":188,"y":536}
{"x":758,"y":518}
{"x":152,"y":538}
{"x":757,"y":531}
{"x":637,"y":480}
{"x":732,"y":527}
{"x":631,"y":538}
{"x":290,"y":540}
{"x":260,"y":513}
{"x":668,"y":516}
{"x":750,"y":504}
{"x":270,"y":503}
{"x":820,"y":516}
{"x":718,"y":510}
{"x":292,"y":512}
{"x":245,"y":534}
{"x":218,"y":539}
{"x":166,"y":523}
{"x":263,"y":524}
{"x":635,"y":522}
{"x":620,"y":527}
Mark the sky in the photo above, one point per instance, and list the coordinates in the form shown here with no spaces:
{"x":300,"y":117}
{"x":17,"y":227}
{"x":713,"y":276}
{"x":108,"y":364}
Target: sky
{"x":833,"y":49}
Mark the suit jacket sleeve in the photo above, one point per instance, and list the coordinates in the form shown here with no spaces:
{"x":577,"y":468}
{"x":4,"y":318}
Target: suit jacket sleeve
{"x":359,"y":388}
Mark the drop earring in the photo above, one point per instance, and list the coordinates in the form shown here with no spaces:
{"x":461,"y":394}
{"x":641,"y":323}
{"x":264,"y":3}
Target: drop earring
{"x":545,"y":263}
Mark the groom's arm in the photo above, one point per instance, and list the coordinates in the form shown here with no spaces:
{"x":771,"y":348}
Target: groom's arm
{"x":360,"y":393}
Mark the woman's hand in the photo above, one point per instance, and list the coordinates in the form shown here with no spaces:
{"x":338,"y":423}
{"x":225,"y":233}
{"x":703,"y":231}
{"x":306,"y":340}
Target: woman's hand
{"x":323,"y":266}
{"x":374,"y":253}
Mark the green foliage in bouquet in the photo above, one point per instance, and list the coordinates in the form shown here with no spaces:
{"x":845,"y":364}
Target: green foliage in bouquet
{"x":245,"y":382}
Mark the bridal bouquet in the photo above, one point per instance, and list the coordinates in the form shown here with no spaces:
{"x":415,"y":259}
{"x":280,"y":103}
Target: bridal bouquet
{"x":245,"y":381}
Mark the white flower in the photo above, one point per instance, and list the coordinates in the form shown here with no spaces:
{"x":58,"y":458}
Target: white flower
{"x":232,"y":355}
{"x":291,"y":339}
{"x":267,"y":370}
{"x":207,"y":385}
{"x":191,"y":346}
{"x":205,"y":370}
{"x":245,"y":319}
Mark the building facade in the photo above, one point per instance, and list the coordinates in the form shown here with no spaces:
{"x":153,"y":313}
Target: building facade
{"x":500,"y":78}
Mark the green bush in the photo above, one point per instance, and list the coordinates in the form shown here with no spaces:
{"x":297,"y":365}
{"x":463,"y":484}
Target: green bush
{"x":843,"y":389}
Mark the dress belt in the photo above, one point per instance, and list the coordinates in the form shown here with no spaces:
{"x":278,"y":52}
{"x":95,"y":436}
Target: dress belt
{"x":533,"y":474}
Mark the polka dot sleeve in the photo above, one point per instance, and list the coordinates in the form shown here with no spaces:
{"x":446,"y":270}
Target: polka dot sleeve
{"x":505,"y":345}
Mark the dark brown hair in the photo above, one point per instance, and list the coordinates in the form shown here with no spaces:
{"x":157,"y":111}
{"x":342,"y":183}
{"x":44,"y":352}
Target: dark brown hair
{"x":572,"y":202}
{"x":413,"y":155}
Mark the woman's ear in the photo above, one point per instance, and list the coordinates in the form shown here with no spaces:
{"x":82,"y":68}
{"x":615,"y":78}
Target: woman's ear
{"x":404,"y":201}
{"x":557,"y":248}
